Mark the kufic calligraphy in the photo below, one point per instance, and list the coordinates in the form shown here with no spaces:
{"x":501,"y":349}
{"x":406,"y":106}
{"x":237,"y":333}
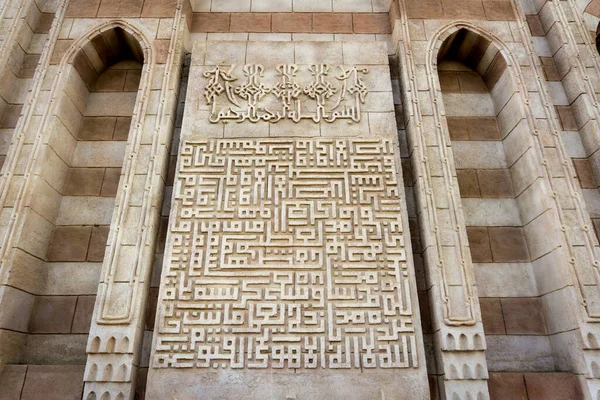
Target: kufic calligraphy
{"x":286,"y":254}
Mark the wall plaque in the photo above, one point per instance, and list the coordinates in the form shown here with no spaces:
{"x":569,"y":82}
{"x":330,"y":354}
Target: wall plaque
{"x":286,"y":254}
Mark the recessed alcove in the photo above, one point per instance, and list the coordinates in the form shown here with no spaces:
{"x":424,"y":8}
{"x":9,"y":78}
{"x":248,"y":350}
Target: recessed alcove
{"x":70,"y":214}
{"x":494,"y":176}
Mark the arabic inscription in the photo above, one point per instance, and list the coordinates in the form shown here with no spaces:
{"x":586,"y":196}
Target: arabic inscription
{"x":286,"y":254}
{"x":312,"y":92}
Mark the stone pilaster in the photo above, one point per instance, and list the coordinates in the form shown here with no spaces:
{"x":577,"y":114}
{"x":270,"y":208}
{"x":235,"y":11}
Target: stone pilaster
{"x":458,"y":331}
{"x":115,"y":341}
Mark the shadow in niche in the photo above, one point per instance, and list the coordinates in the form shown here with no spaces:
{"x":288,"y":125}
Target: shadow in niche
{"x":598,"y":38}
{"x":511,"y":228}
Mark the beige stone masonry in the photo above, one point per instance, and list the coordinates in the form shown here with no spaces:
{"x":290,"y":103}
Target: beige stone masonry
{"x":24,"y":30}
{"x":527,"y":164}
{"x":11,"y":184}
{"x":522,"y":170}
{"x":116,"y":333}
{"x":376,"y":113}
{"x":589,"y":13}
{"x":458,"y":333}
{"x":499,"y":161}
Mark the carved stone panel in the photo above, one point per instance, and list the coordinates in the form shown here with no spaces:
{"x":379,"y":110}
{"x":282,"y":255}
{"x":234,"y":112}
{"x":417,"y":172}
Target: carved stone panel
{"x":287,"y":272}
{"x":286,"y":254}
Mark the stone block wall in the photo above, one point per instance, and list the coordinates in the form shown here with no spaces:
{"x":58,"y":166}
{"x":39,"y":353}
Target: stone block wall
{"x":83,"y":221}
{"x":497,"y":241}
{"x":42,"y":382}
{"x":419,"y":83}
{"x":27,"y":26}
{"x":567,"y":99}
{"x":81,"y":139}
{"x":493,"y":106}
{"x":377,"y":121}
{"x":531,"y":386}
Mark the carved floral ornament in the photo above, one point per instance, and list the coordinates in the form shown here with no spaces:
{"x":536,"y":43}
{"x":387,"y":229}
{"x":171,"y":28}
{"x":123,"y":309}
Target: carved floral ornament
{"x":317,"y":97}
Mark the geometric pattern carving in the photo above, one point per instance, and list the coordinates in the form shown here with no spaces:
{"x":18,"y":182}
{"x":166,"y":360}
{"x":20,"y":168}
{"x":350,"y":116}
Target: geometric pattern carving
{"x":286,"y":254}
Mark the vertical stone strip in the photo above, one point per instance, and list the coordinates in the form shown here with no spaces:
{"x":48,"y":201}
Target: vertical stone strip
{"x":6,"y":220}
{"x":458,"y":337}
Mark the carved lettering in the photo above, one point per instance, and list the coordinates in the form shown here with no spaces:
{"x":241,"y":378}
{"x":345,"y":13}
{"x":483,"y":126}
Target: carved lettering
{"x":286,"y":254}
{"x":320,"y":99}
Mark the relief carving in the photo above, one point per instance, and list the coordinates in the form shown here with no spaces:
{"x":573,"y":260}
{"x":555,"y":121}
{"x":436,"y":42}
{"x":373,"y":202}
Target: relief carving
{"x":297,"y":94}
{"x":286,"y":254}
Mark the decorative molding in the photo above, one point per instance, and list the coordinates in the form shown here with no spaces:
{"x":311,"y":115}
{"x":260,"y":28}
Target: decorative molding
{"x":119,"y":300}
{"x":299,"y":96}
{"x":116,"y":334}
{"x":584,"y":270}
{"x":459,"y":298}
{"x":10,"y":35}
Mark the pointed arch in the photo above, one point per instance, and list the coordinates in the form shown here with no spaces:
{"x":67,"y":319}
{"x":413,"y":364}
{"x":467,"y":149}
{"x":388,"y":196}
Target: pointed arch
{"x":480,"y":108}
{"x":132,"y":34}
{"x":531,"y":144}
{"x":135,"y":44}
{"x":532,"y":133}
{"x":461,"y":306}
{"x":444,"y":36}
{"x":101,"y":39}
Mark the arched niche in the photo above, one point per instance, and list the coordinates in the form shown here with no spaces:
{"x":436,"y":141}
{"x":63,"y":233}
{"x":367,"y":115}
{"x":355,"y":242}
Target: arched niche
{"x":483,"y":117}
{"x":82,"y":169}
